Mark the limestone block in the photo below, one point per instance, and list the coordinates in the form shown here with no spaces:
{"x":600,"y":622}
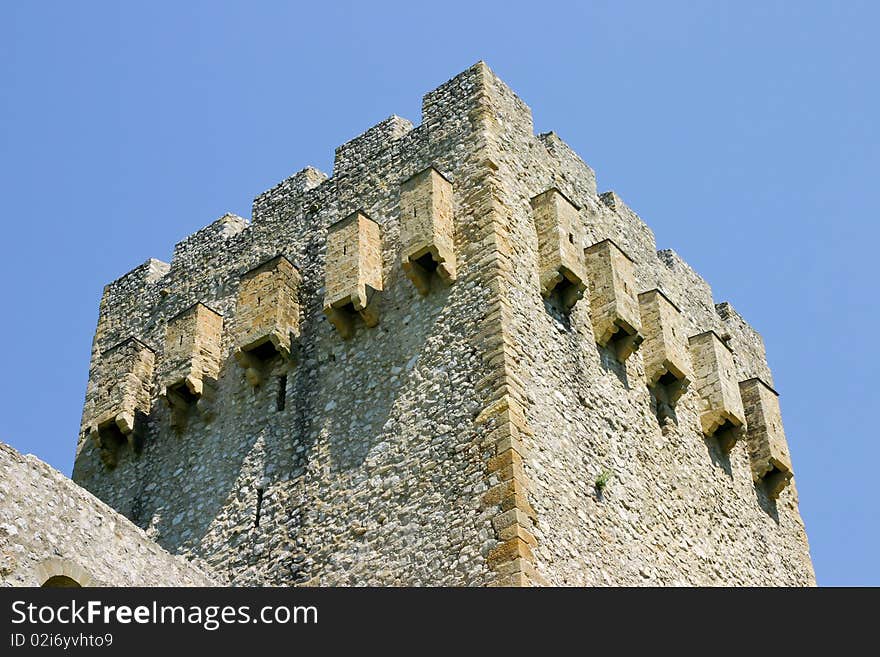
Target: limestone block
{"x":560,"y":246}
{"x":267,"y":315}
{"x":720,"y":403}
{"x":353,"y":272}
{"x":614,"y":307}
{"x":192,"y":353}
{"x":119,"y":396}
{"x":768,"y":448}
{"x":665,"y":349}
{"x":426,"y":229}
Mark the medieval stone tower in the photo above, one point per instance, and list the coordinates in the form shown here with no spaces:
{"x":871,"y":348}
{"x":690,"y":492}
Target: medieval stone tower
{"x":452,"y":362}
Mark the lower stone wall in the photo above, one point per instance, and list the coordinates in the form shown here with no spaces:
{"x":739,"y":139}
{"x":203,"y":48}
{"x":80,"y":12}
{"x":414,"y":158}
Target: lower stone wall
{"x":52,"y":528}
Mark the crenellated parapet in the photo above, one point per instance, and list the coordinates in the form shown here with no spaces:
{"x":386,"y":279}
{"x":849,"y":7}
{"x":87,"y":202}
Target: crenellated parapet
{"x":747,"y":344}
{"x":689,"y":290}
{"x":474,"y":98}
{"x":618,"y":222}
{"x":291,"y":192}
{"x":361,"y":149}
{"x":149,"y":273}
{"x":568,"y":164}
{"x":208,"y":239}
{"x":125,"y":298}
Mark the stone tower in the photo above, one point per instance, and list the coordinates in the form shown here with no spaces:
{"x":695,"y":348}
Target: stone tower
{"x":452,"y":362}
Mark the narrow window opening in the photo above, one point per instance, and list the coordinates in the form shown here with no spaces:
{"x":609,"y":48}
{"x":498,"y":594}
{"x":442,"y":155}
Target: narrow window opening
{"x":180,"y":342}
{"x":259,"y":507}
{"x":571,"y":238}
{"x":281,"y":398}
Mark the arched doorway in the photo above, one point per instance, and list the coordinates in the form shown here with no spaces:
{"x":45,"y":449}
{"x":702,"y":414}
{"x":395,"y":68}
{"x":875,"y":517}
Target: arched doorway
{"x":61,"y":582}
{"x":56,"y":572}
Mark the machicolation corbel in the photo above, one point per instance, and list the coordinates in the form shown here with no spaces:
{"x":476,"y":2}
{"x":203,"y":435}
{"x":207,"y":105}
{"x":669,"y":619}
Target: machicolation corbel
{"x":665,"y":349}
{"x":768,"y":448}
{"x":721,"y":408}
{"x":614,"y":307}
{"x":427,"y":234}
{"x":191,"y":362}
{"x":353,"y":275}
{"x":118,"y":399}
{"x":267,"y":317}
{"x":560,"y":247}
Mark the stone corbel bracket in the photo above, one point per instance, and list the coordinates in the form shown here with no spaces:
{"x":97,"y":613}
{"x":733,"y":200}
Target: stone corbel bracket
{"x":721,"y":409}
{"x":665,"y":350}
{"x":191,"y":362}
{"x":614,"y":307}
{"x":353,"y":275}
{"x":267,"y":318}
{"x":119,"y":399}
{"x":560,"y":247}
{"x":427,"y":233}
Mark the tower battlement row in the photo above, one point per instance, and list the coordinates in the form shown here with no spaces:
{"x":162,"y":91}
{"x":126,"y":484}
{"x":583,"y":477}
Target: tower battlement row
{"x":414,"y":370}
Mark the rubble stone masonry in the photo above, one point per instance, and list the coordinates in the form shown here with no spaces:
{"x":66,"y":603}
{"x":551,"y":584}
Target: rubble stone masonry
{"x":54,"y":533}
{"x":450,"y":384}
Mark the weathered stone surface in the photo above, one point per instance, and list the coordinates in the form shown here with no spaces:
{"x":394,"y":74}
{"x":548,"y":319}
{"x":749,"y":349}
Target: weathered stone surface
{"x":665,"y":349}
{"x":459,"y":441}
{"x":427,"y":237}
{"x":721,"y":404}
{"x":353,"y":272}
{"x":771,"y":462}
{"x":614,"y":306}
{"x":267,"y":316}
{"x":192,"y":351}
{"x":52,"y":528}
{"x":560,"y":246}
{"x":119,"y":396}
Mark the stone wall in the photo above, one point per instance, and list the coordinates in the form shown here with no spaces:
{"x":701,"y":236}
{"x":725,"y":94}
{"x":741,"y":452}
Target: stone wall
{"x":676,"y":509}
{"x":50,"y":527}
{"x":455,"y":430}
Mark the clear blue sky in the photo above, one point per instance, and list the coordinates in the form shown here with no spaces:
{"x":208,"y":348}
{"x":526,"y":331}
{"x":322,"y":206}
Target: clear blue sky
{"x":744,"y":133}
